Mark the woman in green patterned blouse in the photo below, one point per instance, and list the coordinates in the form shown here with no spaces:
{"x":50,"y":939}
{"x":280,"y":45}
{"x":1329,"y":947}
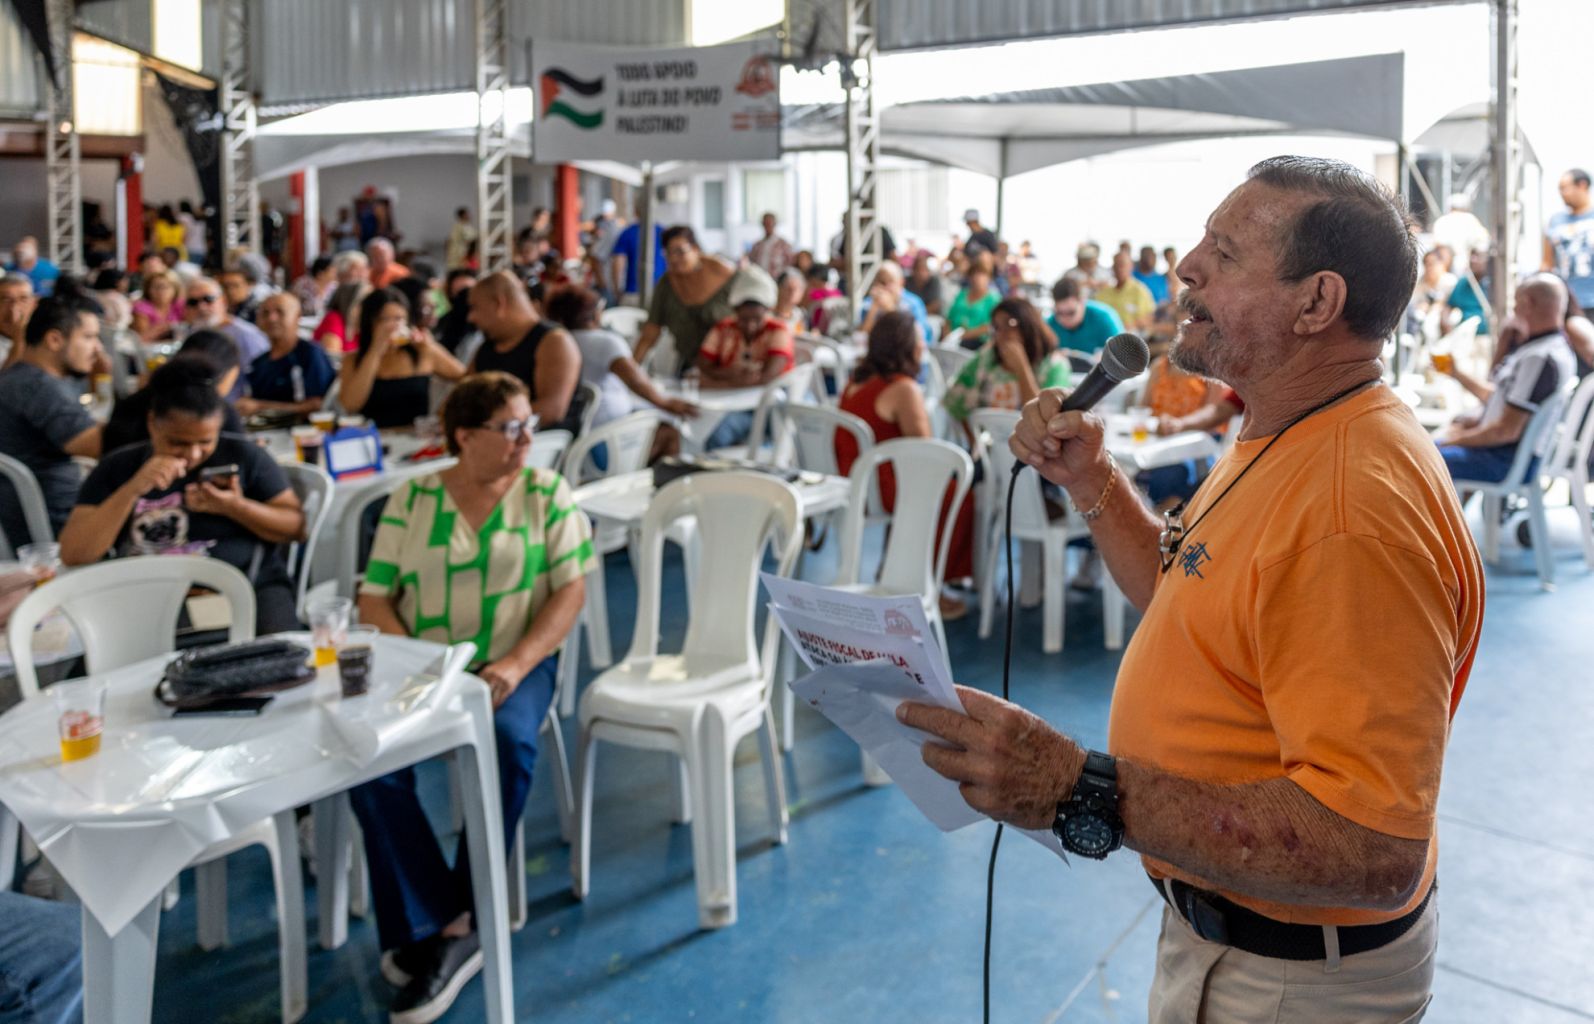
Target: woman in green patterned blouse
{"x":495,"y":553}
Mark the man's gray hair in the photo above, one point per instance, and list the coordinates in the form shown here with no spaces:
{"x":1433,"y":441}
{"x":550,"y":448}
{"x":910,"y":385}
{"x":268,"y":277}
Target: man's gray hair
{"x":346,"y":261}
{"x":1357,"y":229}
{"x":16,"y":279}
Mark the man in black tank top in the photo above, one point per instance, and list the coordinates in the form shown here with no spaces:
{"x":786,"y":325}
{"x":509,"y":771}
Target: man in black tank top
{"x":518,"y":341}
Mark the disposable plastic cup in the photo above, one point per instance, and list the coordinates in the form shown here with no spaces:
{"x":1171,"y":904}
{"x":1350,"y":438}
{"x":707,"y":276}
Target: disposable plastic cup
{"x":42,"y":560}
{"x":356,"y":659}
{"x":80,"y":717}
{"x":307,"y":442}
{"x":330,"y":618}
{"x":326,"y":422}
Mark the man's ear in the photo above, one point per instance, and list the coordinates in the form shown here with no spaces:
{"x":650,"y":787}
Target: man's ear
{"x":1321,"y":298}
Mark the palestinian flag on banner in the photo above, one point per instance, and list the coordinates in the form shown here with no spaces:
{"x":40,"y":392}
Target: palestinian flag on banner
{"x":556,"y":83}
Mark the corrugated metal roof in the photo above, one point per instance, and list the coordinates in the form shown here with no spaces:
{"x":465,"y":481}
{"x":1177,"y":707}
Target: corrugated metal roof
{"x":919,"y":24}
{"x":129,"y":23}
{"x":21,"y":77}
{"x":313,"y":51}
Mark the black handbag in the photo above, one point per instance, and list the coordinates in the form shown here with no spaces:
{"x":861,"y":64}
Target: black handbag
{"x":255,"y":668}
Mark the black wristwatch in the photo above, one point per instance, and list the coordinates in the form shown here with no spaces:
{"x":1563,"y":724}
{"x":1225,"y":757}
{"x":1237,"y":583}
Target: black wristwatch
{"x":1087,"y":822}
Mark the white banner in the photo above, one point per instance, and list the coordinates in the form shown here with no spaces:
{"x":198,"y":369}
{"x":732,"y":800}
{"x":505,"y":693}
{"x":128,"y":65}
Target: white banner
{"x":631,"y":105}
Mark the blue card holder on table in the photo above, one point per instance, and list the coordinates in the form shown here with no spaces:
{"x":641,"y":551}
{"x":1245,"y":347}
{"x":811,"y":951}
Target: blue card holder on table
{"x":353,"y":452}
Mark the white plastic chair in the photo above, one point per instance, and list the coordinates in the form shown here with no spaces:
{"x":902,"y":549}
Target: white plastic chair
{"x":813,"y":430}
{"x":30,"y":498}
{"x":953,"y":339}
{"x":830,"y":363}
{"x":1030,"y":526}
{"x":950,"y":361}
{"x":699,"y":704}
{"x":937,"y":325}
{"x":796,"y":385}
{"x":914,"y":561}
{"x":837,"y":312}
{"x":351,"y":517}
{"x":126,"y":611}
{"x":548,"y":449}
{"x":1568,"y":459}
{"x":626,"y":321}
{"x":590,"y":398}
{"x":627,"y":442}
{"x":313,"y":486}
{"x":1518,"y":481}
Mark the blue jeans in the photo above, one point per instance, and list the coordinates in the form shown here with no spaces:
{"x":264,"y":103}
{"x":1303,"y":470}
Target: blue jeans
{"x":41,"y":979}
{"x":733,"y":429}
{"x":414,"y":890}
{"x":1176,"y":481}
{"x":1488,"y":465}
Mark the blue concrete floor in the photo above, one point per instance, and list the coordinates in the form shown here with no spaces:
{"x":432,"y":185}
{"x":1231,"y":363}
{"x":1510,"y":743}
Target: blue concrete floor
{"x":870,"y":914}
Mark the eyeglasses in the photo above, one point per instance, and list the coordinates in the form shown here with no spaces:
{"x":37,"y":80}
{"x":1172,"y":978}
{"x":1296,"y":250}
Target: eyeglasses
{"x":512,"y":430}
{"x":203,"y":300}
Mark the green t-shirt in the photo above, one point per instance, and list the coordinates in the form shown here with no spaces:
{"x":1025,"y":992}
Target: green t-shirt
{"x":969,"y":315}
{"x":986,"y":384}
{"x":486,"y":586}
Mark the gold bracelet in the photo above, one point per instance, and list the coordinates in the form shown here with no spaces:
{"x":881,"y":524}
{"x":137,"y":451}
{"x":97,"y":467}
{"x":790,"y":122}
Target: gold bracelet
{"x":1101,"y":503}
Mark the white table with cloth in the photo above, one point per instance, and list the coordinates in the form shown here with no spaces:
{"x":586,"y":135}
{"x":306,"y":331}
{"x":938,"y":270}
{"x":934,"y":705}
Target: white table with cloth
{"x":121,"y":824}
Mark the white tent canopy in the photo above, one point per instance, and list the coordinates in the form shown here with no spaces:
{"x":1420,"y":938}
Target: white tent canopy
{"x":1004,"y":134}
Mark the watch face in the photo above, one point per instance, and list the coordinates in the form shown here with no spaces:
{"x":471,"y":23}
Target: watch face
{"x":1088,"y":835}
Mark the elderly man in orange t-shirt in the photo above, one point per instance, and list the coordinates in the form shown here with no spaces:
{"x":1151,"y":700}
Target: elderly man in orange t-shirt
{"x":1280,"y":718}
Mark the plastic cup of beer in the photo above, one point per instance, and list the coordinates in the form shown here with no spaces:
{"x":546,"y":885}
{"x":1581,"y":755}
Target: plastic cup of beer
{"x":330,"y":619}
{"x":307,"y":443}
{"x":324,"y":421}
{"x":1443,"y":361}
{"x":80,"y":717}
{"x":42,"y":560}
{"x":1140,"y":424}
{"x":356,"y":658}
{"x":351,"y":422}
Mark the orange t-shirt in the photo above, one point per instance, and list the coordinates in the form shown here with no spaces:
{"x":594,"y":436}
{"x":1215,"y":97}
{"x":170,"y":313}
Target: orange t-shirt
{"x":1318,"y":626}
{"x":1170,"y":392}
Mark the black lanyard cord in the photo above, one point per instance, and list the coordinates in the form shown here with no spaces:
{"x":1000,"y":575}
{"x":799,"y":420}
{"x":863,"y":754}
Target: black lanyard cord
{"x":1174,"y":534}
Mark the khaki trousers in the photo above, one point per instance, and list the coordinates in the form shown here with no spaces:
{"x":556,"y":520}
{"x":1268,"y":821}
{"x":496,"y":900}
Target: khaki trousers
{"x":1200,"y":982}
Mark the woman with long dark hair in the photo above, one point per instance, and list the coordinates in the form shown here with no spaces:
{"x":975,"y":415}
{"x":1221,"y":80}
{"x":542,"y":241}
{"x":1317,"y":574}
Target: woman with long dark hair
{"x":884,"y":393}
{"x":1013,"y":367}
{"x":387,"y":378}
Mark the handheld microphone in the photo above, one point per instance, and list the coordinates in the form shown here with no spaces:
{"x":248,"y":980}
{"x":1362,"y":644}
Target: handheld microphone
{"x":1125,"y":356}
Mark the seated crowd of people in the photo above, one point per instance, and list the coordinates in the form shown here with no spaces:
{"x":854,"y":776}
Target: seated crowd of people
{"x":495,"y":356}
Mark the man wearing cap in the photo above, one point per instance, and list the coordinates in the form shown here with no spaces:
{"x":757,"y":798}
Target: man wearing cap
{"x":1088,"y":271}
{"x":749,"y":348}
{"x":981,"y":238}
{"x":772,"y":254}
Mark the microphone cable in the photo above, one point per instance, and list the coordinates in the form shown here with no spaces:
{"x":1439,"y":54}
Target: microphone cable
{"x":1007,"y":671}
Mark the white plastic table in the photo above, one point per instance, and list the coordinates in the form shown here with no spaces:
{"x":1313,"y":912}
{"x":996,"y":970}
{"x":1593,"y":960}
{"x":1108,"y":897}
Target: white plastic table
{"x":120,"y":825}
{"x":1155,"y":451}
{"x":716,"y":404}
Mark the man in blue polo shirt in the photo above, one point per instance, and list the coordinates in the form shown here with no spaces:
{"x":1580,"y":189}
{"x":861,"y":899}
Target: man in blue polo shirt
{"x":294,"y":374}
{"x":1081,"y":324}
{"x":27,"y":261}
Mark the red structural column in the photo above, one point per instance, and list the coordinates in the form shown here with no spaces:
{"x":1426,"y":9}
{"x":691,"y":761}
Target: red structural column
{"x":296,"y":226}
{"x":567,"y":210}
{"x":133,"y":209}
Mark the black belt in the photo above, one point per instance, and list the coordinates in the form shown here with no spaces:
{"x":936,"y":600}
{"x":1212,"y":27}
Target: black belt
{"x":1216,"y":919}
